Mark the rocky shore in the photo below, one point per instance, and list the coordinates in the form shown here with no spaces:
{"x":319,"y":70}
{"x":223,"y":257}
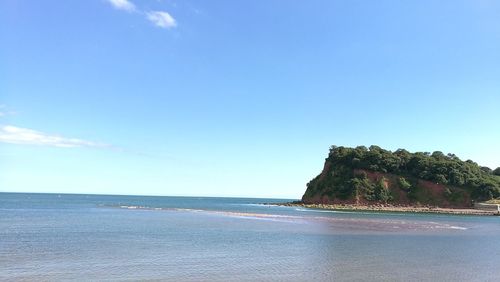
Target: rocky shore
{"x":391,"y":208}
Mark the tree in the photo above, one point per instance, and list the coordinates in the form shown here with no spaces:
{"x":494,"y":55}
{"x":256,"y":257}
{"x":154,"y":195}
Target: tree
{"x":486,"y":169}
{"x":496,"y":171}
{"x":382,"y":193}
{"x":404,"y":158}
{"x":404,"y":184}
{"x":438,"y":155}
{"x":440,"y":179}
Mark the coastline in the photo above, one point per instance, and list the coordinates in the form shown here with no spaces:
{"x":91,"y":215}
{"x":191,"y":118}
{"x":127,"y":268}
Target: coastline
{"x":390,"y":208}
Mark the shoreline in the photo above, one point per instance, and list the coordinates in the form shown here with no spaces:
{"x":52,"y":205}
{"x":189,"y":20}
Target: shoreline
{"x":390,"y":208}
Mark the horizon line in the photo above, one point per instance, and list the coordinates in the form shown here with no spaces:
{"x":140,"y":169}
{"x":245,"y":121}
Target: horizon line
{"x":142,"y":195}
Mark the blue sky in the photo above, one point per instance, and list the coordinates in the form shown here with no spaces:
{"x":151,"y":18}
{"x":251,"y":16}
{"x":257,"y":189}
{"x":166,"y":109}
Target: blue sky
{"x":237,"y":98}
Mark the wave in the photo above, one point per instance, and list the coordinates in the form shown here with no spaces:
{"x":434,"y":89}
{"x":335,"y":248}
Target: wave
{"x":369,"y":224}
{"x":323,"y":211}
{"x":133,"y":207}
{"x":458,"y":227}
{"x":350,"y":212}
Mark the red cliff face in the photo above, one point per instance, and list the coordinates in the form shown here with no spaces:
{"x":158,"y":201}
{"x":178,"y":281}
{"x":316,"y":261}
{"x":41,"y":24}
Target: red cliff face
{"x":423,"y":192}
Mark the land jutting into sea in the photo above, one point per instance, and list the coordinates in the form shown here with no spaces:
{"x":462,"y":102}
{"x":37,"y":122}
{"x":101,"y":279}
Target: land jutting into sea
{"x":375,"y":179}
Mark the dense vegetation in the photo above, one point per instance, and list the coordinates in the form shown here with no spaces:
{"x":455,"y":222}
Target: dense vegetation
{"x":346,"y":175}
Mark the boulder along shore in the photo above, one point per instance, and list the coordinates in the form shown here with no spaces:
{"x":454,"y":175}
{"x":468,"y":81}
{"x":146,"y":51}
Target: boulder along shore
{"x":389,"y":208}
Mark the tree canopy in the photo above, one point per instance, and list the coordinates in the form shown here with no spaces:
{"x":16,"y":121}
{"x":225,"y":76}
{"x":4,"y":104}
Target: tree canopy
{"x":438,"y":167}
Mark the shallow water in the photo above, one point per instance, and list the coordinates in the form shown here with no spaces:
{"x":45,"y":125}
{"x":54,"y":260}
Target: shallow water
{"x":91,"y":237}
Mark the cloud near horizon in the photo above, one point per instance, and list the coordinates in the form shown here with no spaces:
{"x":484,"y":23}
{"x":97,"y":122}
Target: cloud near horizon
{"x":17,"y":135}
{"x":160,"y":19}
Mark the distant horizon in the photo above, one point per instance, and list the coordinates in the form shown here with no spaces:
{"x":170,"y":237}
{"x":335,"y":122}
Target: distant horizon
{"x":237,"y":97}
{"x":139,"y":195}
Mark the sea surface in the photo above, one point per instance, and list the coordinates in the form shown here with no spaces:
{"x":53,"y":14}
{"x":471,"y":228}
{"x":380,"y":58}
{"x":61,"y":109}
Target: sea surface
{"x":50,"y":237}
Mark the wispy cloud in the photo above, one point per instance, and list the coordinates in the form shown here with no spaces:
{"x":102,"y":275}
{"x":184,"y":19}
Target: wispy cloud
{"x":18,"y":135}
{"x":161,"y":19}
{"x":123,"y":5}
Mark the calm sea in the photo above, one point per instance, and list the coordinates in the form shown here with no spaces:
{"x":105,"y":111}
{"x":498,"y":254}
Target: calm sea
{"x":47,"y":237}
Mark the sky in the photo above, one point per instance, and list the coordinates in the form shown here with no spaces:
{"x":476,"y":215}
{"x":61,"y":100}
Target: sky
{"x":237,"y":98}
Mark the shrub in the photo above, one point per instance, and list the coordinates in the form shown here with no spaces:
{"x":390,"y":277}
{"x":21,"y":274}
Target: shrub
{"x":403,"y":184}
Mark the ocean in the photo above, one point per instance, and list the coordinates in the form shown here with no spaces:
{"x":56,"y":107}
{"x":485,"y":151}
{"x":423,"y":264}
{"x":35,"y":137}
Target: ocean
{"x":54,"y":237}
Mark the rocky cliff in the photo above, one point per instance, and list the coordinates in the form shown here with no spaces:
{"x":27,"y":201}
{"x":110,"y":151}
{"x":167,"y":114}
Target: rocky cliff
{"x":374,"y":176}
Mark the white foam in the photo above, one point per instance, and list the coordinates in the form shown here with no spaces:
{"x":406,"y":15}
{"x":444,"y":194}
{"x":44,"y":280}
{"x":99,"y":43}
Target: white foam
{"x":447,"y":226}
{"x":258,"y":205}
{"x":396,"y":224}
{"x":346,"y":211}
{"x":187,"y":210}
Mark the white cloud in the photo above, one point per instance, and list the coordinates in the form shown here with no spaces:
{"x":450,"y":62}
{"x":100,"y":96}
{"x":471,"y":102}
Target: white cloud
{"x":17,"y":135}
{"x":123,"y":5}
{"x":161,"y":19}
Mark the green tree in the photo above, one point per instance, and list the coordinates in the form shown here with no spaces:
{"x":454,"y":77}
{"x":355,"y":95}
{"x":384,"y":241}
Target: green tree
{"x":486,"y":169}
{"x":440,"y":179}
{"x":382,"y":193}
{"x":404,"y":184}
{"x":496,"y":171}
